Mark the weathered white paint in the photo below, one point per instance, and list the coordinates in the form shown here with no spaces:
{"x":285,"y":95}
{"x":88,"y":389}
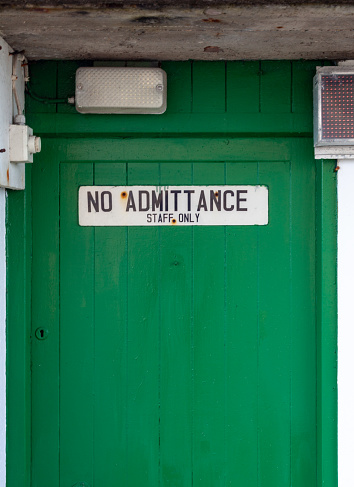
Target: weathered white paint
{"x":345,"y":323}
{"x":11,"y":175}
{"x":2,"y":339}
{"x":5,"y":117}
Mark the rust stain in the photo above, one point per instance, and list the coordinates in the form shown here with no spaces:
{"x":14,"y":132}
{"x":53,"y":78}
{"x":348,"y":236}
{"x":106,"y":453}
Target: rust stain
{"x":174,"y":221}
{"x":336,"y":169}
{"x":123,"y":194}
{"x":280,"y":27}
{"x":211,"y":20}
{"x":212,"y":49}
{"x":8,"y":175}
{"x":216,"y":193}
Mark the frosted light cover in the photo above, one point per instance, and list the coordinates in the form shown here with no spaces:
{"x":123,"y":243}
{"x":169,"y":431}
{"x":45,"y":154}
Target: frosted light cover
{"x":121,"y":90}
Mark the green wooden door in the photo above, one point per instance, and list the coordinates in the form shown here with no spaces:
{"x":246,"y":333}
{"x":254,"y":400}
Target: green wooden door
{"x":175,"y":356}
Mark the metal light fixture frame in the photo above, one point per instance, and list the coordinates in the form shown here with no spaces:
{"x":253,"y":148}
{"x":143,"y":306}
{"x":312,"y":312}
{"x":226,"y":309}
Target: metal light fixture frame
{"x":121,"y":90}
{"x":336,"y":148}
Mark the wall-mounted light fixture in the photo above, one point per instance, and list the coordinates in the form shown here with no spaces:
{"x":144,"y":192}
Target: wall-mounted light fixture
{"x":121,"y":90}
{"x":334,"y":111}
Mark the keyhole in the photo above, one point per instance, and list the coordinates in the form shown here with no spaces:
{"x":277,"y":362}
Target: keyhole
{"x":41,"y":333}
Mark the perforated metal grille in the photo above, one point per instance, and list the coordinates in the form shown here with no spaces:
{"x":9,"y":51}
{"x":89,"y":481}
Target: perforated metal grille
{"x":120,"y":90}
{"x":337,"y":93}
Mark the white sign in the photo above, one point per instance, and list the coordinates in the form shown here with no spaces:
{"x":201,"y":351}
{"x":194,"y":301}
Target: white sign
{"x":106,"y":206}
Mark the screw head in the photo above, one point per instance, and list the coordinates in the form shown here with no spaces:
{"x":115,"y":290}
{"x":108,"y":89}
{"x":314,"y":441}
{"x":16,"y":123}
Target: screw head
{"x":79,"y":86}
{"x":159,"y":88}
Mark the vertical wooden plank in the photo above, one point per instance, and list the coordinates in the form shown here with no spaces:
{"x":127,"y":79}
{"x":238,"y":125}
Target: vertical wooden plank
{"x":176,"y":368}
{"x":3,"y":345}
{"x":45,"y":316}
{"x":326,"y":307}
{"x":110,"y":449}
{"x":18,"y":320}
{"x":241,"y":341}
{"x":242,"y":86}
{"x":66,"y":83}
{"x":179,"y":86}
{"x":43,"y":83}
{"x":143,"y":340}
{"x":209,"y":343}
{"x":274,"y":335}
{"x":276,"y":86}
{"x":302,"y":86}
{"x":28,"y":239}
{"x":303,"y":317}
{"x":208,"y":87}
{"x":76,"y":331}
{"x":135,"y":64}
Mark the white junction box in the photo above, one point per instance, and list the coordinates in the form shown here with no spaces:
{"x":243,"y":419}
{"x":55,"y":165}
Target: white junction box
{"x":23,"y":144}
{"x":17,"y":144}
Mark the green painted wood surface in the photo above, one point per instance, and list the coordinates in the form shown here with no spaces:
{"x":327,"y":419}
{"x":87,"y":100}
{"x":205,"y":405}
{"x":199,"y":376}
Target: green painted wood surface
{"x":176,"y":342}
{"x":243,"y":81}
{"x":184,"y":356}
{"x":269,"y":96}
{"x":77,"y":330}
{"x":18,"y":320}
{"x":327,"y":472}
{"x":110,"y":448}
{"x":45,"y":315}
{"x":188,"y":355}
{"x":275,"y":87}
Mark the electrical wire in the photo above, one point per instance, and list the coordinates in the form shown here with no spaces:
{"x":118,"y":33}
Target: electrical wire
{"x":14,"y":79}
{"x":17,"y":100}
{"x":47,"y":101}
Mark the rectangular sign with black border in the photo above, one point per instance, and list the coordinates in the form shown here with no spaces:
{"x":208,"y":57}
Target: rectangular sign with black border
{"x":106,"y":206}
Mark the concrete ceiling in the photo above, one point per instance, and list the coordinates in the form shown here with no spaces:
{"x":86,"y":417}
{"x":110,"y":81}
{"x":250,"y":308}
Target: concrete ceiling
{"x":179,"y":30}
